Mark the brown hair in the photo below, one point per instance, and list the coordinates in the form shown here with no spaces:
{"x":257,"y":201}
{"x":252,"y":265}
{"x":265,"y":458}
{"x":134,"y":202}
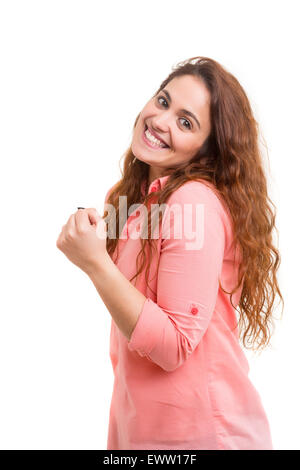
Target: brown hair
{"x":231,"y":160}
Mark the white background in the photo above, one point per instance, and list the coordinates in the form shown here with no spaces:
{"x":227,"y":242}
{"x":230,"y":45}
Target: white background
{"x":74,"y":75}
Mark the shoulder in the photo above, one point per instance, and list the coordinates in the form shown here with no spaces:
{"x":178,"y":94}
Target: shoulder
{"x":196,"y":191}
{"x":205,"y":194}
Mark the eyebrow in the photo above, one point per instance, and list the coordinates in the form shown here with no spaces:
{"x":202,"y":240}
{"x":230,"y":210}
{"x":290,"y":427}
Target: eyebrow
{"x":185,"y":111}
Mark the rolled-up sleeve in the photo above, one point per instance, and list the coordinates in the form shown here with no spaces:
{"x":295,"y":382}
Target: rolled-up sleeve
{"x":168,"y":331}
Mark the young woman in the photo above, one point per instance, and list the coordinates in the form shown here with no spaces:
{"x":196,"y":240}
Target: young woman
{"x":173,"y":289}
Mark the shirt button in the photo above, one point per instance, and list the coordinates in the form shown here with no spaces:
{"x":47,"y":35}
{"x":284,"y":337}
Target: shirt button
{"x":194,"y":310}
{"x":137,"y":213}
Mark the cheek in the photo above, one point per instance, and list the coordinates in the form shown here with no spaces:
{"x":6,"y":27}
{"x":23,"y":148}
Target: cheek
{"x":181,"y":142}
{"x":140,"y":124}
{"x":143,"y":116}
{"x":184,"y":146}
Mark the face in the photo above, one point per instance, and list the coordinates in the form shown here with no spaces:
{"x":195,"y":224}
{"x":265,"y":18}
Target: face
{"x":178,"y":119}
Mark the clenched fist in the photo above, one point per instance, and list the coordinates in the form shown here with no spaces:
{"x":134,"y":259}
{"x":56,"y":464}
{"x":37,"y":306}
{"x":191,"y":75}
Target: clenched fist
{"x":83,"y":239}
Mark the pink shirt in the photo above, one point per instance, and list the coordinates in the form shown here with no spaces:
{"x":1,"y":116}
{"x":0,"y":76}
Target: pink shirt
{"x":181,"y":382}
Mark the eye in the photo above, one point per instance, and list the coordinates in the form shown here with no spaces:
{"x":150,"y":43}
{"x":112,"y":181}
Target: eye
{"x":162,"y":98}
{"x":187,"y":122}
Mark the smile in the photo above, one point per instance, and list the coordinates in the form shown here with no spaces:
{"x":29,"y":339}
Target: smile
{"x":152,"y":141}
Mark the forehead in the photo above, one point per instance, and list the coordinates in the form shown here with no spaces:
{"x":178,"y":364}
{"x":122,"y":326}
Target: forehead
{"x":189,"y":92}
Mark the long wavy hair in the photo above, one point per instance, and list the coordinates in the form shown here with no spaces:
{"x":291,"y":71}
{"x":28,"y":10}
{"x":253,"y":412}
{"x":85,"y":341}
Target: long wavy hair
{"x":231,"y":160}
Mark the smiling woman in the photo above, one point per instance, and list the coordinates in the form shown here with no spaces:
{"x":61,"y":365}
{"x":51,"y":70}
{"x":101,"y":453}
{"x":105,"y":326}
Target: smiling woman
{"x":173,"y":116}
{"x":181,"y":376}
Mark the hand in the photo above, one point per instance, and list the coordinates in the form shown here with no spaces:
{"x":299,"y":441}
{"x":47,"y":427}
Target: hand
{"x":83,"y":239}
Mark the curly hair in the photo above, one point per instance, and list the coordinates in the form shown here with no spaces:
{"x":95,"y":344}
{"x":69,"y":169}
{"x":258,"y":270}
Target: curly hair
{"x":231,"y":160}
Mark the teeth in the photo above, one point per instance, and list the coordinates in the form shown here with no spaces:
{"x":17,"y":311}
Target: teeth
{"x":153,"y":139}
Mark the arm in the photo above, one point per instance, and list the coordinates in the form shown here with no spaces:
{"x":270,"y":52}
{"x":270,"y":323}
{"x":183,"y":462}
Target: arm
{"x":168,"y":331}
{"x":123,"y":301}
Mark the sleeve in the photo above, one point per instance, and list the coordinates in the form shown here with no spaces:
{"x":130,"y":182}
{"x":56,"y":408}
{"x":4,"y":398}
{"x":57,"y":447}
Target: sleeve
{"x":167,"y":332}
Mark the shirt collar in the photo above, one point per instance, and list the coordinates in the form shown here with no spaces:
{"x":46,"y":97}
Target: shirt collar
{"x":156,"y":185}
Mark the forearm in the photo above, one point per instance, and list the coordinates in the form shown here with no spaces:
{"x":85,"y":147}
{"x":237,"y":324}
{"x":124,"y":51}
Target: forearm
{"x":122,"y":299}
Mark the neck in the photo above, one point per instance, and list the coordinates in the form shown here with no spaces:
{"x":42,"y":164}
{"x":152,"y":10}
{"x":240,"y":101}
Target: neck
{"x":153,"y":174}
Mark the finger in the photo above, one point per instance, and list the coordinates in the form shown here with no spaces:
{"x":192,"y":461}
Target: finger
{"x":71,"y":226}
{"x":82,"y":220}
{"x":61,"y":237}
{"x":93,"y":215}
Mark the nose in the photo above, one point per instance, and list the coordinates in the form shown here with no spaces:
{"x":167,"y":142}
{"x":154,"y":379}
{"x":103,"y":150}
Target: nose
{"x":160,"y":123}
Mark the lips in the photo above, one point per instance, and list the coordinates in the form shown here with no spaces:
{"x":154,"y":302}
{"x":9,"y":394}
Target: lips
{"x":156,"y":135}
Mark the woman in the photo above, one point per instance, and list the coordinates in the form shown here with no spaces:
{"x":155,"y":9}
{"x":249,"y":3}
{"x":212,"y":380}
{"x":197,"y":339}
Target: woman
{"x":181,"y":377}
